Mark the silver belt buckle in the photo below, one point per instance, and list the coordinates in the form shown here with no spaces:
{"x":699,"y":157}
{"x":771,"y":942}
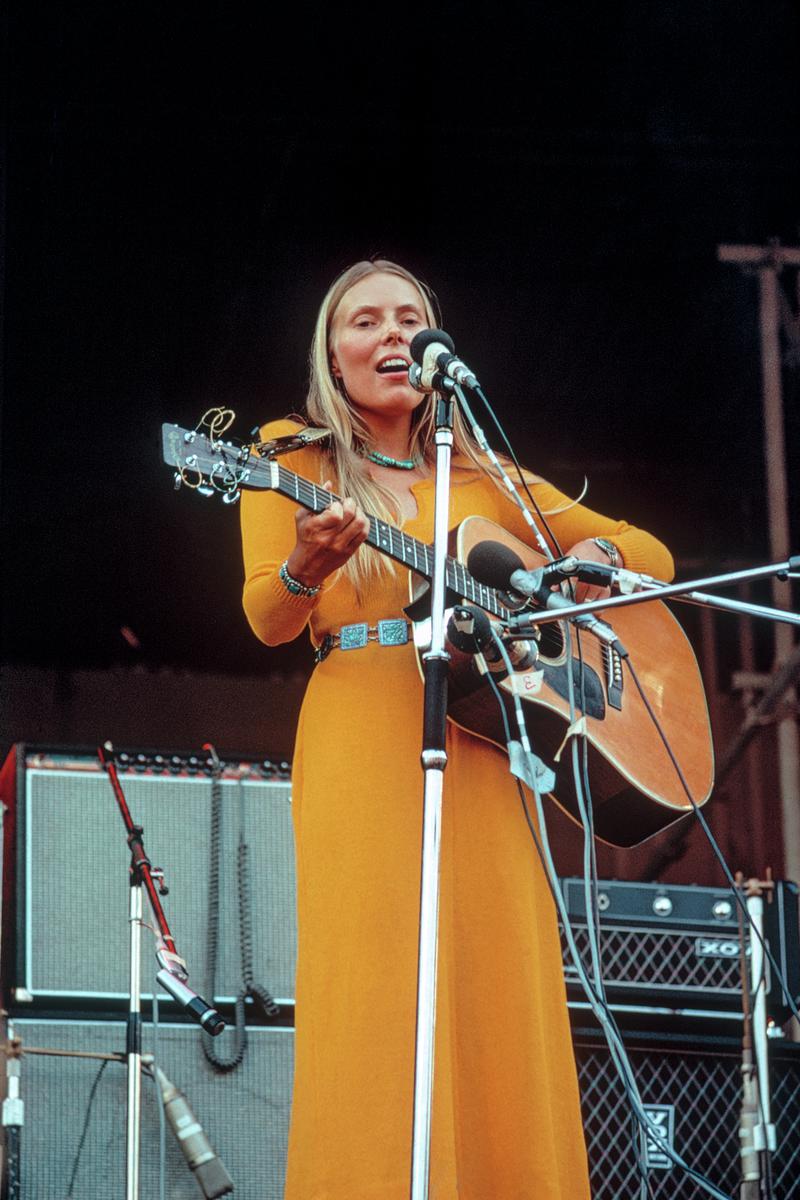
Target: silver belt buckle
{"x":392,"y":632}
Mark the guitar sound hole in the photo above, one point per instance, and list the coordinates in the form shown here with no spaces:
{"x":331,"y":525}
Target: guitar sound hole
{"x":551,"y":642}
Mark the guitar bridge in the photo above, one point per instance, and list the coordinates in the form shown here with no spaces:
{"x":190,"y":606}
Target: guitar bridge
{"x":612,"y":666}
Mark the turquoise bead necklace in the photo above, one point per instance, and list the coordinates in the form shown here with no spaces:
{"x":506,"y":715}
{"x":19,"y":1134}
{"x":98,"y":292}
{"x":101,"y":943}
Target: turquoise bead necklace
{"x":385,"y":460}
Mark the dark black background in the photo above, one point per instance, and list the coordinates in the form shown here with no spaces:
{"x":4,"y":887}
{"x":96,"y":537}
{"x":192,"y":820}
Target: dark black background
{"x":182,"y":185}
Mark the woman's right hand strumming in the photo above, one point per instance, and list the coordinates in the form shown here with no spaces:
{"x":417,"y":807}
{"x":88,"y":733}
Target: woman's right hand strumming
{"x":326,"y":540}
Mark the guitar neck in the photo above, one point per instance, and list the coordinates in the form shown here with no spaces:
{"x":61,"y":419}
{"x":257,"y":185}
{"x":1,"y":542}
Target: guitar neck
{"x":416,"y":555}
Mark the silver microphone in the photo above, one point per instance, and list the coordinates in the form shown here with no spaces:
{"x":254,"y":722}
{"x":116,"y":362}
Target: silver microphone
{"x":208,"y":1169}
{"x":433,"y":351}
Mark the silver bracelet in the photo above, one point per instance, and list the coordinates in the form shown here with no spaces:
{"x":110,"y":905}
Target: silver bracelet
{"x":294,"y":585}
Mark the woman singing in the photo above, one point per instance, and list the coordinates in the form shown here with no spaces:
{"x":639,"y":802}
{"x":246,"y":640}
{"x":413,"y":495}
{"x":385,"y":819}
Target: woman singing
{"x":506,"y":1122}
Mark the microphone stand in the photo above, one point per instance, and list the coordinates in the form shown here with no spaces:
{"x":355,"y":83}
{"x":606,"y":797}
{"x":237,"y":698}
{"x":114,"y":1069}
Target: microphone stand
{"x":523,"y":620}
{"x":654,"y":589}
{"x":434,"y":761}
{"x":172,"y":976}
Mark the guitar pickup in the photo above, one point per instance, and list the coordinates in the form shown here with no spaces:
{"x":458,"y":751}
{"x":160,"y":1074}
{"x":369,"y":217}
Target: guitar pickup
{"x":612,"y":668}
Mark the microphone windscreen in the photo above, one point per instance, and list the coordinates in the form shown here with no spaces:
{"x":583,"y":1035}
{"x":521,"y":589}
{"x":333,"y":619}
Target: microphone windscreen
{"x":493,"y":563}
{"x":427,"y":337}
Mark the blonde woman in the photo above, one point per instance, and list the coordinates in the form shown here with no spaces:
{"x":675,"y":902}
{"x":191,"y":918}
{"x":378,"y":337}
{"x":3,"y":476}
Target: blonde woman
{"x":506,"y":1120}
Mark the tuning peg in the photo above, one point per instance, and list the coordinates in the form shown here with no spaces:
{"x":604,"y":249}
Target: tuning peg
{"x":231,"y":497}
{"x":178,"y":480}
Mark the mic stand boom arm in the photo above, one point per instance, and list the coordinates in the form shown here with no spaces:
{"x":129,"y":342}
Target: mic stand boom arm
{"x":654,"y":590}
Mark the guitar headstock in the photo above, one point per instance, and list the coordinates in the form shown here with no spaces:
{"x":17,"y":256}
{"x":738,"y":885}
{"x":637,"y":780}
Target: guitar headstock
{"x":210,"y":466}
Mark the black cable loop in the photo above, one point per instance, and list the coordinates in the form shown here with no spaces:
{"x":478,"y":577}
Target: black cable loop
{"x":254,"y":990}
{"x":260,"y":995}
{"x":217,"y":1061}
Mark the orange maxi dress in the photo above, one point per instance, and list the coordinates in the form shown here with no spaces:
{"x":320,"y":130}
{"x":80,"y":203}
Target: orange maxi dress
{"x":506,"y":1122}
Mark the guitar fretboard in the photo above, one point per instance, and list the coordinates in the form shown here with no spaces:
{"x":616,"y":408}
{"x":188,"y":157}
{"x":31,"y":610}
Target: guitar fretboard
{"x":230,"y":467}
{"x":390,"y":540}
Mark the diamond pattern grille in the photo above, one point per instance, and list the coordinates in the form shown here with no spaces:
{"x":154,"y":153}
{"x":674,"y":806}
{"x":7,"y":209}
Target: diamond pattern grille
{"x":647,"y":960}
{"x":705,"y":1091}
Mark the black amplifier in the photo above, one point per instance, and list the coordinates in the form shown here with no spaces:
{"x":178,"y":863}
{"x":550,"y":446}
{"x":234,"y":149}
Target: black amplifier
{"x":678,"y":947}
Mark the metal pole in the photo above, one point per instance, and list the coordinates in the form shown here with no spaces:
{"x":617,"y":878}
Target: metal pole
{"x":764,"y":1132}
{"x":769,"y":261}
{"x":778,"y":511}
{"x":434,"y":761}
{"x":134,"y":1048}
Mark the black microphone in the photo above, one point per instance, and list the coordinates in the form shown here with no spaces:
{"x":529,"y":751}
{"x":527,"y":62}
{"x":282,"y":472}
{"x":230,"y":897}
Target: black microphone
{"x":208,"y":1168}
{"x":433,"y":351}
{"x":501,"y":568}
{"x":470,"y":631}
{"x":197,"y":1008}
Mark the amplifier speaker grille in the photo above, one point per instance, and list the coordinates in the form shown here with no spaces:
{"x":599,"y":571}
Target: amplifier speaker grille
{"x":72,"y":911}
{"x":245,"y":1114}
{"x":663,"y":960}
{"x":699,"y":1096}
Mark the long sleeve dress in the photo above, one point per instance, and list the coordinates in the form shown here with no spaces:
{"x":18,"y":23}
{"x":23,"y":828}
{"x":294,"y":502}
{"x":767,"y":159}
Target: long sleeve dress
{"x":506,"y":1122}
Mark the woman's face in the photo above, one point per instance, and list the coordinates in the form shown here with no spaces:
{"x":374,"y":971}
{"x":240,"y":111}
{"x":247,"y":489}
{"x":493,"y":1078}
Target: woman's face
{"x":370,"y":335}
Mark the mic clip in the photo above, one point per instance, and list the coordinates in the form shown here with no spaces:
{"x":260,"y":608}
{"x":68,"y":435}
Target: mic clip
{"x":439,"y":381}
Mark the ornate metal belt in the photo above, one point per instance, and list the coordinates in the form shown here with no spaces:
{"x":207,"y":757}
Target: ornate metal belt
{"x":391,"y":632}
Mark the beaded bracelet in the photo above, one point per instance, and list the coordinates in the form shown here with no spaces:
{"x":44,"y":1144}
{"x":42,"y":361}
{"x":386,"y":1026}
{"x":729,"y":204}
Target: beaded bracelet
{"x":294,"y":585}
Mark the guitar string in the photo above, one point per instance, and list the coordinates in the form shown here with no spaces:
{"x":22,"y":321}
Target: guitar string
{"x":396,"y":543}
{"x":392,"y":541}
{"x":385,"y":537}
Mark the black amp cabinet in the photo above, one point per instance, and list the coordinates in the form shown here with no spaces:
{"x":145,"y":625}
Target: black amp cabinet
{"x":692,"y":1090}
{"x":677,"y":947}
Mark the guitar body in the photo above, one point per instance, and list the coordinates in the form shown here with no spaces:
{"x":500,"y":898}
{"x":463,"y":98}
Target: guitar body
{"x":635,"y":789}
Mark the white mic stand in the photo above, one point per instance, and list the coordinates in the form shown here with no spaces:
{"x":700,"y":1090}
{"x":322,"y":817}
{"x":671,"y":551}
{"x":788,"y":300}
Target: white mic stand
{"x":434,"y":761}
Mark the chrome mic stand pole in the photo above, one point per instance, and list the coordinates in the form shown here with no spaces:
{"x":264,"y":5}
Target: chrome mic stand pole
{"x":434,"y":760}
{"x":765,"y":1139}
{"x":133,"y":1040}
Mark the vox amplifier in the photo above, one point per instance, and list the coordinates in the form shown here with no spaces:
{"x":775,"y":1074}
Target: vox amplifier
{"x":678,"y":947}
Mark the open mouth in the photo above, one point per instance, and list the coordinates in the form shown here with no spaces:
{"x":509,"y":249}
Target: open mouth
{"x":392,"y":366}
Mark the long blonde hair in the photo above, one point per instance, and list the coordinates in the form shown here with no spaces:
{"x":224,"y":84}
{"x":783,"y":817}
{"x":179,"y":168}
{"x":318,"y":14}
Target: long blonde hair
{"x":327,"y":405}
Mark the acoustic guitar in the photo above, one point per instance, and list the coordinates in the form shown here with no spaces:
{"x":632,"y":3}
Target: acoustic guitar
{"x":635,"y":790}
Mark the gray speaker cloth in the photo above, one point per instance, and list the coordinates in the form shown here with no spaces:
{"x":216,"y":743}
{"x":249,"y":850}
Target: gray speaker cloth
{"x":77,"y":890}
{"x":245,"y":1114}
